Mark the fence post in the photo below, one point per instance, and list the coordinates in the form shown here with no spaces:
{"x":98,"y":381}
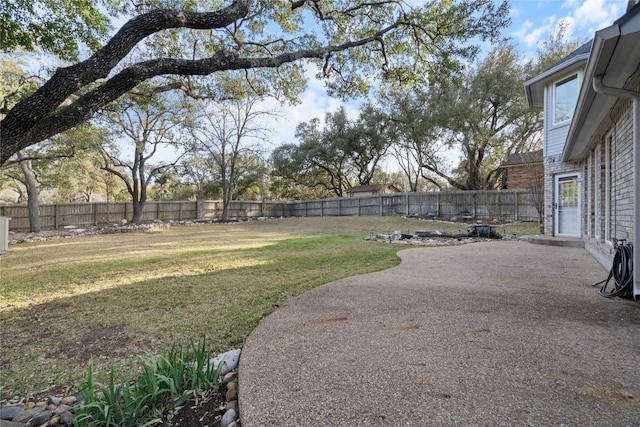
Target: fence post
{"x":406,"y":198}
{"x":95,"y":214}
{"x":474,"y":205}
{"x":438,"y":205}
{"x":380,"y":197}
{"x":359,"y":210}
{"x":517,"y":208}
{"x":55,"y":216}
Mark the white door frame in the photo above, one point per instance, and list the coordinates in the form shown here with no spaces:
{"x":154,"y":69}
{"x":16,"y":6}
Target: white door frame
{"x":557,"y":204}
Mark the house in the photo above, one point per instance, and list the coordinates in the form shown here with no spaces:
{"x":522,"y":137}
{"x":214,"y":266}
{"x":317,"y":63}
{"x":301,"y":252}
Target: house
{"x":371,"y":190}
{"x":523,"y":171}
{"x":591,"y":150}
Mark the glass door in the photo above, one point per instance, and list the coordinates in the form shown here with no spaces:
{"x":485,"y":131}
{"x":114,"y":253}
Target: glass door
{"x":567,"y":206}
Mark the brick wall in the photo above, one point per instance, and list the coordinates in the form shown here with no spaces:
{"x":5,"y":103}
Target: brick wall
{"x":593,"y":185}
{"x":524,"y":177}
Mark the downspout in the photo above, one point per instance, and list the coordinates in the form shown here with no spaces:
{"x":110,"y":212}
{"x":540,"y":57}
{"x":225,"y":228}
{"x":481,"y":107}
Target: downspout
{"x":635,"y":97}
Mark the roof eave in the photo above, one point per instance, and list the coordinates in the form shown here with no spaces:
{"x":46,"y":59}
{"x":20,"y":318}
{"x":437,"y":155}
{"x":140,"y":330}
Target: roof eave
{"x":534,"y":87}
{"x":587,"y":119}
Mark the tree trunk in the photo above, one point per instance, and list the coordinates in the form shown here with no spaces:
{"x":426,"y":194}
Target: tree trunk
{"x":226,"y":201}
{"x":137,"y":212}
{"x":32,"y":193}
{"x":201,"y":209}
{"x":139,"y":196}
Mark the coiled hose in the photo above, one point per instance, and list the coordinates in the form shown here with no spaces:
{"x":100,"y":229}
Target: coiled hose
{"x":621,"y":272}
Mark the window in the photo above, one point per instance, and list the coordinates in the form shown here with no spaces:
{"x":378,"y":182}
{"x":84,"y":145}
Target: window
{"x":608,"y":145}
{"x":597,"y":187}
{"x":565,"y":96}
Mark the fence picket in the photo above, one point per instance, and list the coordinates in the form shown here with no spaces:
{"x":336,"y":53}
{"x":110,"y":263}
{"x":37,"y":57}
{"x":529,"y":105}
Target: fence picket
{"x":514,"y":205}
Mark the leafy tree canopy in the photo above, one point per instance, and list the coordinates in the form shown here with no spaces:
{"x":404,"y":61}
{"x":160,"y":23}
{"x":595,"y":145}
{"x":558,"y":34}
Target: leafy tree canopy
{"x":341,"y":154}
{"x":354,"y":43}
{"x":59,"y":28}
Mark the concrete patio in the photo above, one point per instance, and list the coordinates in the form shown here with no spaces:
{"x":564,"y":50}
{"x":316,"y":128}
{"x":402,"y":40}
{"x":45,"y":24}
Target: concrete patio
{"x":484,"y":334}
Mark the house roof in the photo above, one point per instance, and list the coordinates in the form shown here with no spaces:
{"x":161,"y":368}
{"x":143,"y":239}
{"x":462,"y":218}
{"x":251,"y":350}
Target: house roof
{"x":517,"y":159}
{"x":534,"y":87}
{"x":369,"y":188}
{"x":579,"y":52}
{"x":614,"y":59}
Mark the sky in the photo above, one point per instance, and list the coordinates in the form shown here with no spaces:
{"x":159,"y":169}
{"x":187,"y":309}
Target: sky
{"x":532,"y":22}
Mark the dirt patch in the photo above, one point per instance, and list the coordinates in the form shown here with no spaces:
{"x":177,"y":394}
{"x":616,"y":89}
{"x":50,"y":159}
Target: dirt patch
{"x":206,"y":412}
{"x":98,"y":342}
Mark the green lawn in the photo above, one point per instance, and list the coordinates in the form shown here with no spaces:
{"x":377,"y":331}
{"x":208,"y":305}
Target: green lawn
{"x":111,"y":298}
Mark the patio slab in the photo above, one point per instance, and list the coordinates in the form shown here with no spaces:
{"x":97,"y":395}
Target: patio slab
{"x":483,"y":334}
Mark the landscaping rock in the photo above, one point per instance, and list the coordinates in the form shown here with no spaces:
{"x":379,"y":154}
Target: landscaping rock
{"x":4,"y":423}
{"x":69,"y":400}
{"x":27,"y":415}
{"x":229,"y":377}
{"x":228,"y":418}
{"x":66,"y":418}
{"x":61,"y":409}
{"x":41,"y":418}
{"x":229,"y":360}
{"x":231,"y":394}
{"x":10,"y":412}
{"x":233,"y":405}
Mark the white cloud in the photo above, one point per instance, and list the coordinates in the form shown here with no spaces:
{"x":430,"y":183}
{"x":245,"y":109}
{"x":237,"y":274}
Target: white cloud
{"x":596,"y":14}
{"x":580,"y":17}
{"x":530,"y":35}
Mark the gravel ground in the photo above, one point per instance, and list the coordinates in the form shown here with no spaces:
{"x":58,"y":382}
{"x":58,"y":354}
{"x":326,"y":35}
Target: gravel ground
{"x":485,"y":334}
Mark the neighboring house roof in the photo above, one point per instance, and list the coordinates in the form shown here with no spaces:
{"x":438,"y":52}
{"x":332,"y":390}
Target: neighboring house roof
{"x":535,"y":87}
{"x":371,"y":188}
{"x":614,"y":59}
{"x":519,"y":159}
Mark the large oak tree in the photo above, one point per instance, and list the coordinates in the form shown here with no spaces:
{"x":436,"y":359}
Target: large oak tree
{"x":353,"y":42}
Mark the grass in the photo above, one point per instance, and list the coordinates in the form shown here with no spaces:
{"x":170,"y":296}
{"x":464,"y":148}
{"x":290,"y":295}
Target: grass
{"x":108,"y":299}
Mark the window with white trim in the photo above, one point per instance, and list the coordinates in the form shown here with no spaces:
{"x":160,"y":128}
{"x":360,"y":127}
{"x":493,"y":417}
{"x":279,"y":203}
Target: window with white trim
{"x":565,"y":96}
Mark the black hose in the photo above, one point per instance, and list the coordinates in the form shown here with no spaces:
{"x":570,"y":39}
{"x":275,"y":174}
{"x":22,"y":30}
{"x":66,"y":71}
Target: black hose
{"x":621,"y":272}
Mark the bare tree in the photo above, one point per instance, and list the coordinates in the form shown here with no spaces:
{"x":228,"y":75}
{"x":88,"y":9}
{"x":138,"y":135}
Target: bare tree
{"x":148,"y":126}
{"x":228,"y":133}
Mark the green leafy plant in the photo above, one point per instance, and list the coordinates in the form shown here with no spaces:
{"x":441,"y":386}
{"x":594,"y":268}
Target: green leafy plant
{"x":166,"y":382}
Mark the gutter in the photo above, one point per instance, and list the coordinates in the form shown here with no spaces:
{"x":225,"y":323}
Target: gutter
{"x":635,"y":97}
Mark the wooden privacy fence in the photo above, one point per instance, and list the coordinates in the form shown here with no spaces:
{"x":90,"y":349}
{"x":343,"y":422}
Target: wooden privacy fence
{"x":510,"y":205}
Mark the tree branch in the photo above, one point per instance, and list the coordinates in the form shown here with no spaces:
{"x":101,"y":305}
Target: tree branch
{"x":25,"y":115}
